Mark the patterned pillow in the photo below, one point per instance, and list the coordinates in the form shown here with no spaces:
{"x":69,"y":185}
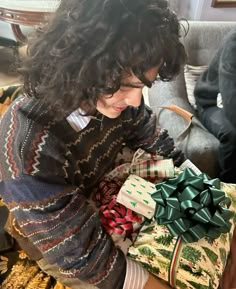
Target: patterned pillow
{"x":191,"y":74}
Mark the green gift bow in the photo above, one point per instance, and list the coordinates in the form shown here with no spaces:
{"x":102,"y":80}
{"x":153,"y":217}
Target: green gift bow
{"x":192,"y":207}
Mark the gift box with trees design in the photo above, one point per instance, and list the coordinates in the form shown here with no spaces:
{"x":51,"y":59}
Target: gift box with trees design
{"x":188,"y":259}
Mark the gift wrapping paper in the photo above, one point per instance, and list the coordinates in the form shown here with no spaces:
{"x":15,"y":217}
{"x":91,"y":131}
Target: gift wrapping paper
{"x":197,"y":265}
{"x":135,"y":194}
{"x":151,"y":167}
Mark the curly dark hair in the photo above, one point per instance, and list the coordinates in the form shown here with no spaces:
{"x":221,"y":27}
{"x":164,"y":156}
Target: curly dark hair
{"x":89,"y":45}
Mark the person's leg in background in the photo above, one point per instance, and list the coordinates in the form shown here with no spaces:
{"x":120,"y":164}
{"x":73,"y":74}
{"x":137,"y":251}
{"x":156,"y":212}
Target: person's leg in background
{"x":215,"y":120}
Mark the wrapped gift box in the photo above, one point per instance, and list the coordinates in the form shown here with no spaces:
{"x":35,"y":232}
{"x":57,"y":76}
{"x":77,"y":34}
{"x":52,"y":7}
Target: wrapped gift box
{"x":154,"y":169}
{"x":151,"y":167}
{"x":184,"y":265}
{"x":135,"y":194}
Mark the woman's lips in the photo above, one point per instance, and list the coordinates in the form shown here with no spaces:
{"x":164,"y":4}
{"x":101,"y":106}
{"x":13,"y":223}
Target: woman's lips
{"x":119,"y":108}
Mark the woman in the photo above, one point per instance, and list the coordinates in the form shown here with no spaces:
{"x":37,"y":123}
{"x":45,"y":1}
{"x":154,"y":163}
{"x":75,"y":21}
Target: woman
{"x":83,"y":101}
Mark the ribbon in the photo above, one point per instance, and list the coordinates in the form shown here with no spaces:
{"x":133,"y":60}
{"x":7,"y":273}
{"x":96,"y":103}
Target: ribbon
{"x":116,"y":218}
{"x":192,"y":207}
{"x":106,"y":189}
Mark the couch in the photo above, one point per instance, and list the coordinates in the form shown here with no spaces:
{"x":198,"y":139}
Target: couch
{"x":200,"y":146}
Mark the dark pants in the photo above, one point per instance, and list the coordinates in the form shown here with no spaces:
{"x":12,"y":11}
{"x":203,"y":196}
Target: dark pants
{"x":215,"y":120}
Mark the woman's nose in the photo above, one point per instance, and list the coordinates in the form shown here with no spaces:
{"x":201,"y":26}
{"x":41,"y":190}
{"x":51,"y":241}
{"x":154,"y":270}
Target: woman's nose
{"x":133,"y":98}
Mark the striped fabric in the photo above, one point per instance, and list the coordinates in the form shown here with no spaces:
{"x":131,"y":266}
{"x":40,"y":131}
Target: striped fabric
{"x":136,"y":276}
{"x":77,"y":120}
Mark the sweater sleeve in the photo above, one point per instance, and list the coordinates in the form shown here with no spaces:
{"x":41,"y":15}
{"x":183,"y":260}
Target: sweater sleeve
{"x":59,"y":221}
{"x":146,"y":134}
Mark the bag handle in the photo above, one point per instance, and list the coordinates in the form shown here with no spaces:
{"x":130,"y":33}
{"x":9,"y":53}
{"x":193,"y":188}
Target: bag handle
{"x":189,"y":117}
{"x":179,"y":110}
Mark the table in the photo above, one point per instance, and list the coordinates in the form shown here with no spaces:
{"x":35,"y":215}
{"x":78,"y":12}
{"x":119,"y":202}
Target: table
{"x":26,"y":12}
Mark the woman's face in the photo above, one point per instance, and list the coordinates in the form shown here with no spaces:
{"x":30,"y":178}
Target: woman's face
{"x":129,"y":94}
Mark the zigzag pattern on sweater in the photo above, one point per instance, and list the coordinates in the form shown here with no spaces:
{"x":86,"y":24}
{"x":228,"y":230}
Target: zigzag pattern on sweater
{"x":11,"y":158}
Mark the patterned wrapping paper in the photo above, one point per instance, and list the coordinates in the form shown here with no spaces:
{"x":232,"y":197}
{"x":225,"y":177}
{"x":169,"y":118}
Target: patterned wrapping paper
{"x":135,"y":194}
{"x":188,"y":266}
{"x":184,"y":265}
{"x":118,"y":220}
{"x":151,"y":167}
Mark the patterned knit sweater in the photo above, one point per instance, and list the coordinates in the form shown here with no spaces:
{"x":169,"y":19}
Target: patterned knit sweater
{"x":48,"y":171}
